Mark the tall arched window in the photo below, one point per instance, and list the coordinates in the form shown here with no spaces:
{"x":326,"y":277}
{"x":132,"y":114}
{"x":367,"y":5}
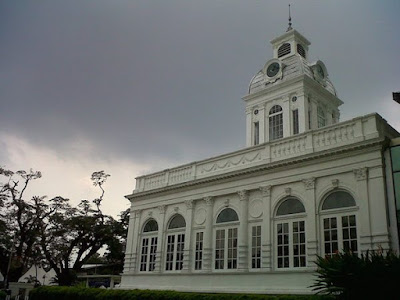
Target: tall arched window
{"x":226,"y":240}
{"x":321,"y":117}
{"x":290,"y":234}
{"x":339,"y":223}
{"x":284,"y":49}
{"x":149,"y":246}
{"x":175,"y":243}
{"x":275,"y":123}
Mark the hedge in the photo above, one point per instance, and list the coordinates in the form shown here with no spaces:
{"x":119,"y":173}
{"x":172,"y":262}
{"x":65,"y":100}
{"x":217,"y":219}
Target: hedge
{"x":2,"y":295}
{"x":79,"y":293}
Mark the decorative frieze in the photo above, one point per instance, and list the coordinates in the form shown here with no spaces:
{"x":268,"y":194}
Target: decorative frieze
{"x":137,"y":213}
{"x":361,"y":173}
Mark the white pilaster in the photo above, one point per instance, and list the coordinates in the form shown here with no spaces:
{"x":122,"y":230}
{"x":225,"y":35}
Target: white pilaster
{"x":311,"y":222}
{"x":188,"y":252}
{"x":243,"y":231}
{"x":266,"y":230}
{"x":208,"y":233}
{"x":160,"y":245}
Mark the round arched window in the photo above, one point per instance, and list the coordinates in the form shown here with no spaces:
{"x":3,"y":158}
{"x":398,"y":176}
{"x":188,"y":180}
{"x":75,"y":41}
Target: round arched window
{"x":290,"y":206}
{"x":275,"y":123}
{"x":339,"y":223}
{"x":151,"y":225}
{"x":339,"y":199}
{"x":175,"y":244}
{"x":226,"y":240}
{"x":227,"y":215}
{"x":291,"y":234}
{"x":149,"y":246}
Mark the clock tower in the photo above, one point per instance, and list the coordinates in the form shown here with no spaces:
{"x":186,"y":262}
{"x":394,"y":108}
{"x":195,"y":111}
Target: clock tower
{"x":290,"y":94}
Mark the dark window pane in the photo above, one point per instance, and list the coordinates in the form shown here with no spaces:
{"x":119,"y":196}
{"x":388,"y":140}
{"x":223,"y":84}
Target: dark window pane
{"x":150,"y":226}
{"x":290,"y":206}
{"x":177,"y":222}
{"x":337,"y":200}
{"x":227,"y":215}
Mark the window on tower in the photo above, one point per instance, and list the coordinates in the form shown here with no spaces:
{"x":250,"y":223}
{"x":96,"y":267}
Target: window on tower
{"x":321,"y":117}
{"x":283,"y":50}
{"x":256,"y":133}
{"x":301,"y":51}
{"x":295,"y":121}
{"x":275,"y":123}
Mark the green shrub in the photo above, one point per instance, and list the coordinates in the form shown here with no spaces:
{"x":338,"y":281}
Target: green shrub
{"x":2,"y":295}
{"x":371,"y":276}
{"x":79,"y":293}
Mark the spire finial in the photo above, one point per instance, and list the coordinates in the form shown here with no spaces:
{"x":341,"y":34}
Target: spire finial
{"x":290,"y":21}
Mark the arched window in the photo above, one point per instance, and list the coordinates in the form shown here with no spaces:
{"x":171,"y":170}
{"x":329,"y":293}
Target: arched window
{"x":275,"y":123}
{"x":149,"y":246}
{"x":175,"y":243}
{"x":284,"y":49}
{"x":226,"y":240}
{"x":290,"y":234}
{"x":321,"y":117}
{"x":301,"y":51}
{"x":339,"y":224}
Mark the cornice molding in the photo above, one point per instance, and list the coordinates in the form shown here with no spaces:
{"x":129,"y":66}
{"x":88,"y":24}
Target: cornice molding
{"x":374,"y":144}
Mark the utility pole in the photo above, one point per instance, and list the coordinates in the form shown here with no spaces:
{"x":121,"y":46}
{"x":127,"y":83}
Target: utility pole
{"x":9,"y":263}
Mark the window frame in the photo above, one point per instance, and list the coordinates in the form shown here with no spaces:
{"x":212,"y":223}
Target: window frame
{"x":198,"y":251}
{"x":149,"y":236}
{"x":289,"y":219}
{"x":275,"y":124}
{"x":175,"y":233}
{"x":257,"y":247}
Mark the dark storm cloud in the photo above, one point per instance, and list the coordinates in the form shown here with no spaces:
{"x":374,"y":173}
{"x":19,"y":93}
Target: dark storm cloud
{"x":145,"y":79}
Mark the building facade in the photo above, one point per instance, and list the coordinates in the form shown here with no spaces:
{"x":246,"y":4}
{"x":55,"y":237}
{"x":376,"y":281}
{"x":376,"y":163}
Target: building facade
{"x":255,"y":220}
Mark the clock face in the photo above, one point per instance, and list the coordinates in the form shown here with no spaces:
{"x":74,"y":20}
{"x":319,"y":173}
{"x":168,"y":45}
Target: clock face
{"x":320,"y":71}
{"x":273,"y":69}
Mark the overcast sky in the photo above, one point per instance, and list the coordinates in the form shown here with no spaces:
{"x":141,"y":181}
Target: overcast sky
{"x":132,"y":87}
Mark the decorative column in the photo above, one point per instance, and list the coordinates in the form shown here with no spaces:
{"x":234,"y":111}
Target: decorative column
{"x":244,"y":231}
{"x":267,"y":229}
{"x":261,"y":113}
{"x":129,"y":239}
{"x":207,"y":249}
{"x":160,"y":240}
{"x":187,"y":252}
{"x":249,"y":126}
{"x":364,"y":218}
{"x":135,"y":241}
{"x":311,"y":222}
{"x":287,"y":117}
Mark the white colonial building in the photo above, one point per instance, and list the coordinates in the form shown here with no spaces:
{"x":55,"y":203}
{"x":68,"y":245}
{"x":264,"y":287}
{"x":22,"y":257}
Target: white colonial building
{"x":255,"y":220}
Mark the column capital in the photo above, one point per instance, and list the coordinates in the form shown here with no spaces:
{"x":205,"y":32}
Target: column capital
{"x":309,"y":183}
{"x":162,"y":209}
{"x":137,"y":213}
{"x":189,"y":204}
{"x":209,"y":200}
{"x":361,"y":173}
{"x":266,"y":190}
{"x":243,"y":195}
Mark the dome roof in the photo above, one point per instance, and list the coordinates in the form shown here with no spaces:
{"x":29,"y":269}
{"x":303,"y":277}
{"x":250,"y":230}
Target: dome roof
{"x":292,"y":66}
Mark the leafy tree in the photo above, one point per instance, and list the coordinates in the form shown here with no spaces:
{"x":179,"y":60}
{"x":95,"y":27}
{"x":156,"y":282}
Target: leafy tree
{"x":18,"y":216}
{"x":54,"y":233}
{"x":70,"y":236}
